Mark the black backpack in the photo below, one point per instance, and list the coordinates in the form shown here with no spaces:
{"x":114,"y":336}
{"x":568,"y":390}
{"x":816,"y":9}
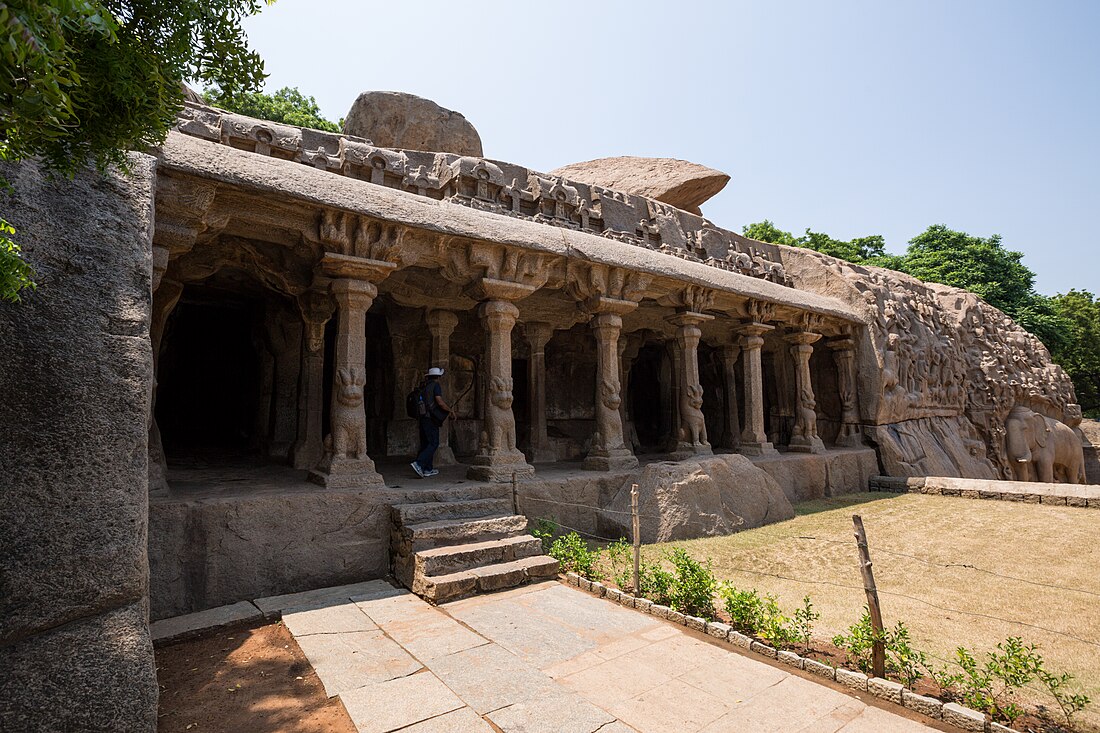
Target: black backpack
{"x":414,"y":402}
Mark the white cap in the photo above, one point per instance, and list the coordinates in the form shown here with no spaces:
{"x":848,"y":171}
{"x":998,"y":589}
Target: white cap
{"x":435,"y":372}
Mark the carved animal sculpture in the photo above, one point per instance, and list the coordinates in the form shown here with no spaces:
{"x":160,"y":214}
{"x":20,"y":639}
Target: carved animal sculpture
{"x":1035,"y":440}
{"x":806,"y":424}
{"x":349,"y":423}
{"x":609,"y":395}
{"x":693,"y":427}
{"x":501,"y":431}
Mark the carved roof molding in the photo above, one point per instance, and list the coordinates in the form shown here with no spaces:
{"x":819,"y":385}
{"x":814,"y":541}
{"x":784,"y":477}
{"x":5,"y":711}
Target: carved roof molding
{"x":465,"y":262}
{"x":182,"y":212}
{"x":587,"y":281}
{"x":273,"y":266}
{"x":759,"y":311}
{"x":695,"y":298}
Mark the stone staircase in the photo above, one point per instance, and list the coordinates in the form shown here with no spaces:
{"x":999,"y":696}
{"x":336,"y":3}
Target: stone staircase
{"x":453,"y":543}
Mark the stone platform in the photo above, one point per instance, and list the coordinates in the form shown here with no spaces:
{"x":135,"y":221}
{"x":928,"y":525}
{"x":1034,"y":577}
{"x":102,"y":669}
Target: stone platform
{"x":230,"y":532}
{"x":1030,"y":492}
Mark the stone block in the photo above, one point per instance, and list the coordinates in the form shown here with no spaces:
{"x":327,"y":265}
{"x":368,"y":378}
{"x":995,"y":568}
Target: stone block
{"x":963,"y":717}
{"x":849,"y":678}
{"x":740,"y":640}
{"x":817,"y":668}
{"x":643,"y":604}
{"x":719,"y":630}
{"x":971,"y":494}
{"x":612,"y":594}
{"x":572,"y":579}
{"x":791,"y":659}
{"x":886,"y":689}
{"x":659,"y":610}
{"x":694,"y":622}
{"x":929,"y":706}
{"x":676,"y":617}
{"x":598,"y":589}
{"x":1077,"y":501}
{"x":995,"y":727}
{"x":192,"y":624}
{"x":585,"y":584}
{"x":626,"y":600}
{"x":764,"y":649}
{"x":1054,"y":500}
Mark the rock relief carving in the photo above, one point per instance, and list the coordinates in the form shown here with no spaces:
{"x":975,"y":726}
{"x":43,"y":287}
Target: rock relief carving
{"x":348,"y":438}
{"x":693,"y":427}
{"x":500,"y":436}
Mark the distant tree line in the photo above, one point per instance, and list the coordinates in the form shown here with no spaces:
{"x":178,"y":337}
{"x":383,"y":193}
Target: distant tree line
{"x":1068,"y":323}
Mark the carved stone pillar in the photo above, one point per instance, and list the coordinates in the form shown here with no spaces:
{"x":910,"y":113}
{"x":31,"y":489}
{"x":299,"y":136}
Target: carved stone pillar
{"x":754,"y":441}
{"x":498,"y":457}
{"x":316,"y":308}
{"x":731,"y":436}
{"x":609,"y":450}
{"x":692,"y":436}
{"x":284,"y":337}
{"x":345,"y":463}
{"x":442,"y":324}
{"x":165,"y":299}
{"x":676,"y":367}
{"x":844,"y":355}
{"x":628,"y":352}
{"x":804,"y":438}
{"x":538,"y":335}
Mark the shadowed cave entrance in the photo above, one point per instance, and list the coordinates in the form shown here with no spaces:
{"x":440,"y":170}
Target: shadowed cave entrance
{"x":209,"y":377}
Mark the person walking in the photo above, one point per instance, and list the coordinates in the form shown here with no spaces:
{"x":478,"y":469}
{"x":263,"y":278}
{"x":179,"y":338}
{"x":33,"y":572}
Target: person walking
{"x":433,"y":412}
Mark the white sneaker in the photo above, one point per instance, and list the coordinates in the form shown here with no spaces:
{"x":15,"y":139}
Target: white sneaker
{"x":416,"y":467}
{"x":433,"y":472}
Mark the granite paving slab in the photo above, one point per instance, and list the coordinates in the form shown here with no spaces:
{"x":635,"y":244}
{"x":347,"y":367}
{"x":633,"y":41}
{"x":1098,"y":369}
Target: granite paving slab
{"x":181,"y":627}
{"x":463,"y":720}
{"x":327,"y":619}
{"x":395,"y":704}
{"x":490,"y":677}
{"x":272,"y":606}
{"x":557,"y":713}
{"x":356,"y":659}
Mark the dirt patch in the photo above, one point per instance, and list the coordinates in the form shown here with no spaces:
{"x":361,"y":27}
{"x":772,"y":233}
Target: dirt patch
{"x":244,"y":679}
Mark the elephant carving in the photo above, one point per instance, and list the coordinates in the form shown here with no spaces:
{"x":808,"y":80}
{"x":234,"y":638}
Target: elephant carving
{"x":1052,"y":447}
{"x":349,"y":423}
{"x":693,"y":428}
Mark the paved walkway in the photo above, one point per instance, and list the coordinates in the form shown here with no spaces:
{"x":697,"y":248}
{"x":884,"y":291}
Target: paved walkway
{"x":548,"y":658}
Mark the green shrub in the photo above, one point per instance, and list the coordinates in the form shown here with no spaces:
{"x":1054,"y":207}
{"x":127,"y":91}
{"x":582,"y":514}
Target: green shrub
{"x":574,"y":555}
{"x":545,"y":530}
{"x":656,"y":583}
{"x":620,"y":559}
{"x":902,"y":660}
{"x":693,"y":591}
{"x":1070,"y":703}
{"x":760,"y":615}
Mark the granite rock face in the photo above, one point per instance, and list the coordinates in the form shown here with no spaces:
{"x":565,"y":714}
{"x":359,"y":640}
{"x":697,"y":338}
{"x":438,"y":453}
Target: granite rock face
{"x":77,"y":374}
{"x":679,"y":183}
{"x":408,"y":122}
{"x":705,"y":497}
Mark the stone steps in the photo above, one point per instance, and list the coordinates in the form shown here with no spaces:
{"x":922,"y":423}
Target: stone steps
{"x":433,"y":511}
{"x":445,"y":550}
{"x":442,"y":588}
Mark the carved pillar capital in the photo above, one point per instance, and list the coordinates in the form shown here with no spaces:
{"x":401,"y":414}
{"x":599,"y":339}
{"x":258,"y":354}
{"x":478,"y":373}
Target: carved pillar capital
{"x":538,"y":334}
{"x":441,"y":323}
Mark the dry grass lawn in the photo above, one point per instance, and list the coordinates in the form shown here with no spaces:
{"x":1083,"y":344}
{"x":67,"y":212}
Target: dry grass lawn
{"x":1051,"y":553}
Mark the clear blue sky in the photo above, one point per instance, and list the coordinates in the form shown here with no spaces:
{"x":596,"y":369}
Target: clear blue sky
{"x":851,"y":118}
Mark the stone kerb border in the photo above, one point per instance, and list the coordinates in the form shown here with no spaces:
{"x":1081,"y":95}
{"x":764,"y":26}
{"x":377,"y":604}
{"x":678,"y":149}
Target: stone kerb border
{"x":895,"y":692}
{"x":1076,"y":495}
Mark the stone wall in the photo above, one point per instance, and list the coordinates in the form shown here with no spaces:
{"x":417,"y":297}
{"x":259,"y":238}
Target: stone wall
{"x":76,"y":371}
{"x":213,"y":551}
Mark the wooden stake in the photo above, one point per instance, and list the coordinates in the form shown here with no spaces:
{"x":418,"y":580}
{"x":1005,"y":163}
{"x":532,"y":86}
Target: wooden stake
{"x":878,"y":647}
{"x":637,"y":523}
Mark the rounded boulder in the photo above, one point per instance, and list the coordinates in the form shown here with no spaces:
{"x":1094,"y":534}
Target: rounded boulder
{"x":408,"y":122}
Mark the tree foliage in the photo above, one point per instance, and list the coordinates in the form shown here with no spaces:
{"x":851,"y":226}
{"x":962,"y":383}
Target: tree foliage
{"x":288,"y":105}
{"x":1080,"y":353}
{"x":83,"y":81}
{"x":860,"y":249}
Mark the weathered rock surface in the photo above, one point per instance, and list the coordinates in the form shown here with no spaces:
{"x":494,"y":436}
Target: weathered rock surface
{"x":708,"y":497}
{"x":408,"y":122}
{"x":932,"y":446}
{"x":76,"y":371}
{"x":678,"y":183}
{"x":211,"y":552}
{"x":807,"y":477}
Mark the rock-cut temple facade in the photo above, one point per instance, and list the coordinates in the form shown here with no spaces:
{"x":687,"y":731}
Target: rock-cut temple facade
{"x":205,"y":397}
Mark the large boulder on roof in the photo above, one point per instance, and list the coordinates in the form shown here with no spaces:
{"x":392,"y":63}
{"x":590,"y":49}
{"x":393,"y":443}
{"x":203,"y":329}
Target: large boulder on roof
{"x":678,"y":183}
{"x":408,"y":122}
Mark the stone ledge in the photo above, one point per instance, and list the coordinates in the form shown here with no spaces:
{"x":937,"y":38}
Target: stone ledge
{"x":1075,"y":495}
{"x":820,"y":669}
{"x":929,"y":706}
{"x":854,"y":680}
{"x":192,"y":624}
{"x":791,"y":659}
{"x":886,"y":689}
{"x":965,"y":718}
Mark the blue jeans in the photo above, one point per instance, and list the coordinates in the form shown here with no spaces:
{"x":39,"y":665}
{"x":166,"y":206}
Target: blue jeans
{"x":429,"y":441}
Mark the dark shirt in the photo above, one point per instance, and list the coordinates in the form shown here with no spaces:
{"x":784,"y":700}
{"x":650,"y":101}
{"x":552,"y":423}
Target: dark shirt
{"x":432,"y":390}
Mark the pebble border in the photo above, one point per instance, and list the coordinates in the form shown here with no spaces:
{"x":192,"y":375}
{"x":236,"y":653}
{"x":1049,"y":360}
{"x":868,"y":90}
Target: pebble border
{"x":936,"y":486}
{"x":895,"y":692}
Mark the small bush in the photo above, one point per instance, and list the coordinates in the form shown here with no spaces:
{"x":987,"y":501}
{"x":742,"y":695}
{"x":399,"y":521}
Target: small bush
{"x":693,"y":591}
{"x":545,"y":530}
{"x":902,"y":660}
{"x":656,"y":583}
{"x":574,"y":555}
{"x":760,"y":615}
{"x":620,"y":559}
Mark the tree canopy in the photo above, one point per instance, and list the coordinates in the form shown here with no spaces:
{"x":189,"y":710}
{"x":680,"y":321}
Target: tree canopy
{"x":288,"y":105}
{"x":84,"y":81}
